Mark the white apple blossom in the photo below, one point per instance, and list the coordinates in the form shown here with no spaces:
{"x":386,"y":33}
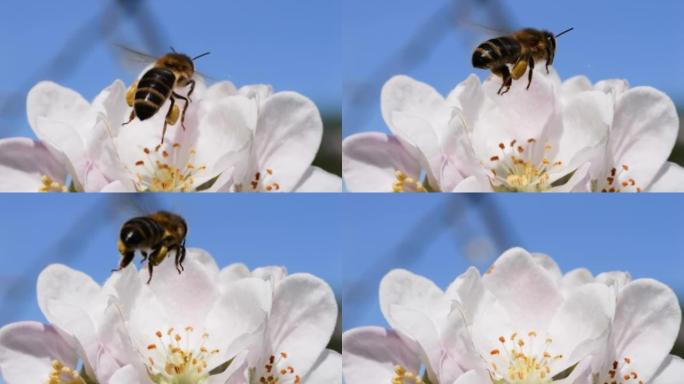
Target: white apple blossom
{"x":233,"y":140}
{"x":554,"y":136}
{"x":523,"y":322}
{"x":302,"y":313}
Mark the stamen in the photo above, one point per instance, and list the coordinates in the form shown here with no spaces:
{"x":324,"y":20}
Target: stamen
{"x":159,"y":170}
{"x":404,"y":183}
{"x":49,"y":185}
{"x":404,"y":376}
{"x":61,"y":374}
{"x":516,"y":169}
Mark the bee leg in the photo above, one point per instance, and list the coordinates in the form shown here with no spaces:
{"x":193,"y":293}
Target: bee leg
{"x":519,"y":68}
{"x":144,"y":256}
{"x":192,"y":88}
{"x":150,"y":268}
{"x":171,"y":117}
{"x":185,"y":107}
{"x":530,"y":62}
{"x":182,"y":255}
{"x":506,"y":75}
{"x":130,"y":118}
{"x":127,"y":258}
{"x":549,"y":58}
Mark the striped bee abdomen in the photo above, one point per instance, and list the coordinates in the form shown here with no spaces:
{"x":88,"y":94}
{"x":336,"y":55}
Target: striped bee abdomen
{"x":495,"y":52}
{"x":152,"y":91}
{"x":141,"y":232}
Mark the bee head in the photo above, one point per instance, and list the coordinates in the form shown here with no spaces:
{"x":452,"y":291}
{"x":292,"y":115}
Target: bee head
{"x":131,"y":237}
{"x":180,"y":64}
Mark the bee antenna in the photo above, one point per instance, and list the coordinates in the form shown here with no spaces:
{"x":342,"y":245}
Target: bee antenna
{"x":202,"y":55}
{"x":566,"y":31}
{"x":173,"y":50}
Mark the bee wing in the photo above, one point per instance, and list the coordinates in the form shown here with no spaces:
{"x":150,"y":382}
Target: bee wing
{"x":132,"y":60}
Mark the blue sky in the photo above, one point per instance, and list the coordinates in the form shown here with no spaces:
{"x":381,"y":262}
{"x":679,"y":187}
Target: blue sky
{"x":636,"y":40}
{"x":294,"y":45}
{"x":639,"y":234}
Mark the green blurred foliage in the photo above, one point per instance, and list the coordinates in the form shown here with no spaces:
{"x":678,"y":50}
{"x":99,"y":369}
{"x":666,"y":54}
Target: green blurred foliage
{"x":329,"y":156}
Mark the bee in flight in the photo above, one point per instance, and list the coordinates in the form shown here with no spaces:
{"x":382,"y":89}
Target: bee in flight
{"x":169,"y":73}
{"x":521,"y":49}
{"x":154,"y":235}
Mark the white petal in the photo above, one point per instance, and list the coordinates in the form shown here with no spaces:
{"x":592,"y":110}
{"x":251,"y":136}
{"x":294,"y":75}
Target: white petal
{"x":403,"y":288}
{"x":220,"y":89}
{"x":23,"y":162}
{"x":256,"y":91}
{"x":671,"y":372}
{"x":238,"y":314}
{"x":126,"y":375}
{"x":574,"y":85}
{"x":327,"y":370}
{"x":370,"y":354}
{"x":527,"y":291}
{"x":232,"y":273}
{"x":370,"y":160}
{"x":318,"y":180}
{"x":287,"y":137}
{"x":581,"y":325}
{"x":27,"y":350}
{"x":646,"y":324}
{"x":643,"y":133}
{"x":670,"y":178}
{"x":302,"y":319}
{"x":474,"y":184}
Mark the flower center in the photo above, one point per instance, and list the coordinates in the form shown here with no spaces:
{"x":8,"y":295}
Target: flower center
{"x":170,"y":361}
{"x":404,"y":183}
{"x":403,"y":376}
{"x":617,"y":180}
{"x":260,"y":182}
{"x":158,"y":170}
{"x":517,"y":363}
{"x":275,"y":371}
{"x":619,"y":372}
{"x":61,"y":374}
{"x":514,"y":169}
{"x":49,"y":185}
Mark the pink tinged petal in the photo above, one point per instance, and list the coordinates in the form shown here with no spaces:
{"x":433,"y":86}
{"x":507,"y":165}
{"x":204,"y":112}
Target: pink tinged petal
{"x":670,"y":178}
{"x":370,"y":161}
{"x":405,"y":289}
{"x":468,"y":98}
{"x":121,"y":186}
{"x":459,"y":352}
{"x":111,"y":103}
{"x":239,"y":315}
{"x":302,"y":319}
{"x":526,"y":290}
{"x":27,"y":350}
{"x":473,"y":377}
{"x":587,"y":117}
{"x":582,"y":323}
{"x":418,"y":326}
{"x":524,"y":113}
{"x":612,"y":86}
{"x":327,"y":370}
{"x":318,"y":180}
{"x":219,"y":90}
{"x":671,"y":371}
{"x":287,"y":137}
{"x":232,"y":273}
{"x":576,"y":278}
{"x":549,"y":264}
{"x":57,"y":116}
{"x":370,"y":355}
{"x":273,"y":274}
{"x":127,"y":375}
{"x":195,"y":290}
{"x":574,"y":85}
{"x":225,"y":136}
{"x":644,"y":131}
{"x":646,"y":324}
{"x":474,"y":184}
{"x":24,"y":162}
{"x":256,"y":91}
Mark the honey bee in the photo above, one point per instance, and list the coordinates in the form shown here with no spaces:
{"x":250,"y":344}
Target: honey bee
{"x":158,"y":233}
{"x":521,"y":49}
{"x":169,"y":73}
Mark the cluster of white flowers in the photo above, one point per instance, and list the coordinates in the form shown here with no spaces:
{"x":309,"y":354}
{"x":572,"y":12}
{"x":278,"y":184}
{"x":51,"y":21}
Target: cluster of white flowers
{"x":201,"y":327}
{"x":247,"y":139}
{"x":556,"y":136}
{"x":522,"y":322}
